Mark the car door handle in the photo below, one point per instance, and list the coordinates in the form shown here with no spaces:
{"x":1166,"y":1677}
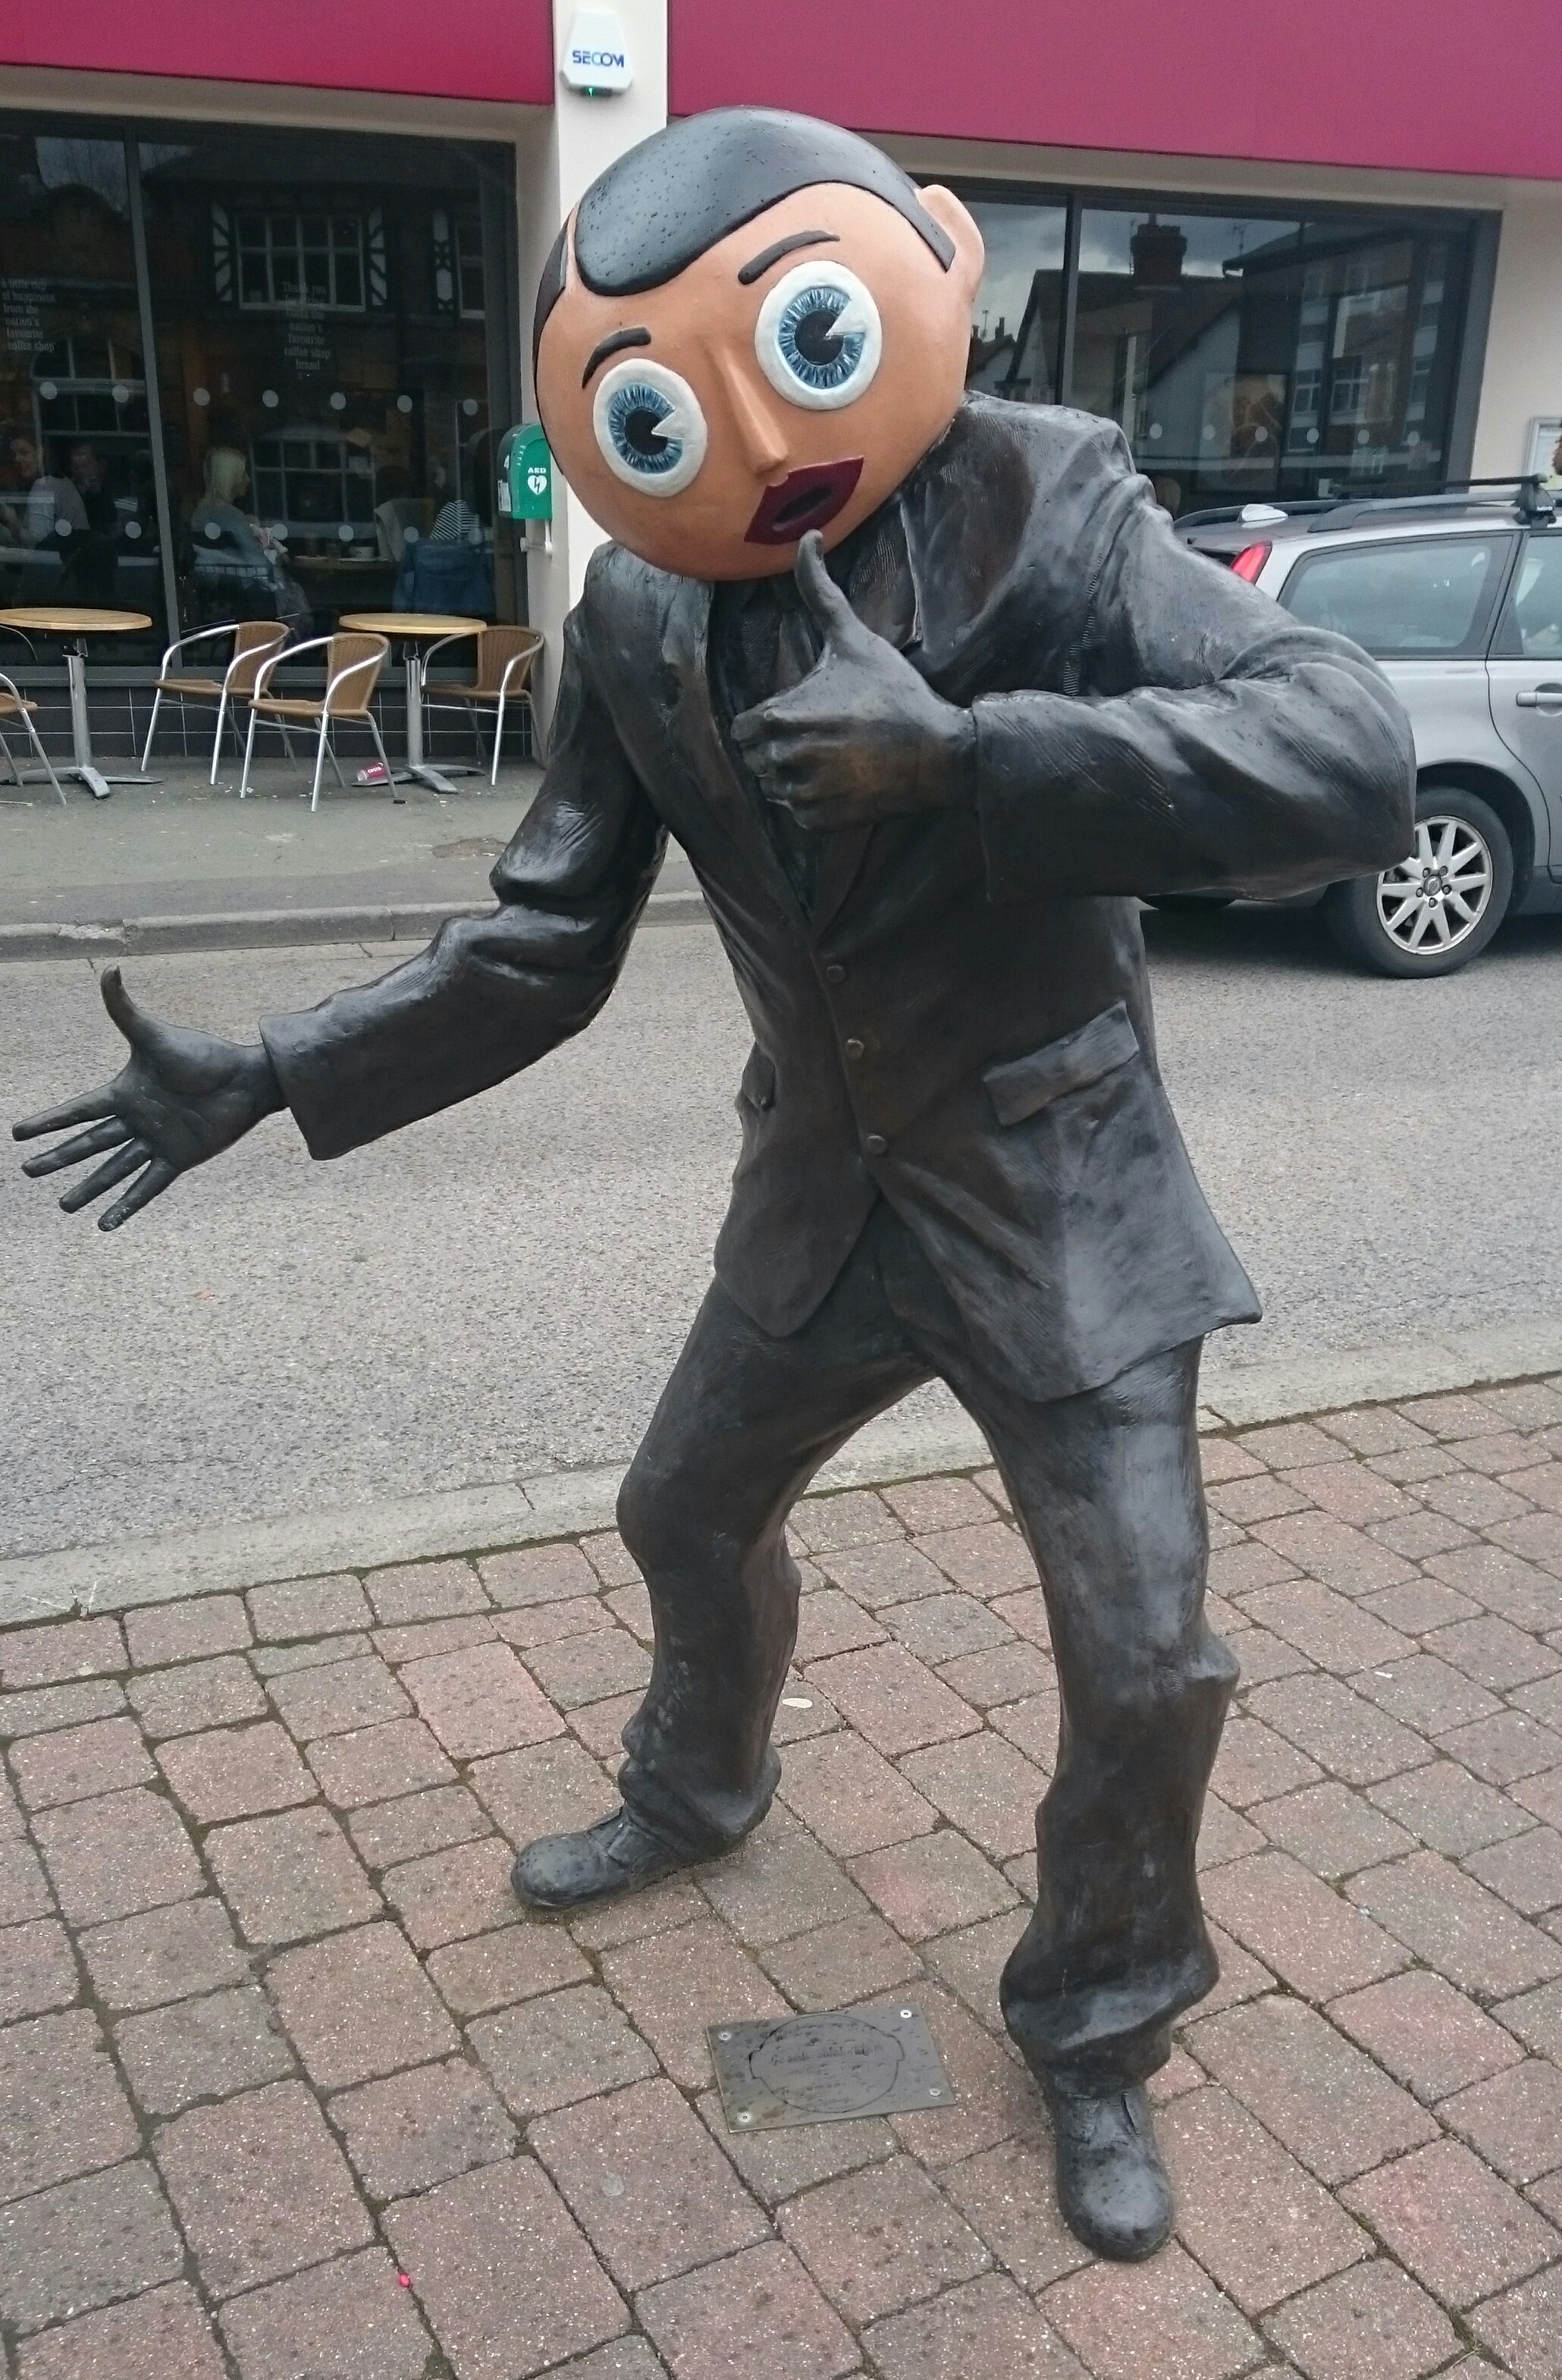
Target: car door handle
{"x":1539,"y":697}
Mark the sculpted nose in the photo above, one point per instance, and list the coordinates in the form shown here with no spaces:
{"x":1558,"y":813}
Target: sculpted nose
{"x":762,"y":440}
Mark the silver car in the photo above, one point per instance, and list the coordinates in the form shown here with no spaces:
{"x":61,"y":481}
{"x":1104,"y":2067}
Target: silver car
{"x":1459,"y":598}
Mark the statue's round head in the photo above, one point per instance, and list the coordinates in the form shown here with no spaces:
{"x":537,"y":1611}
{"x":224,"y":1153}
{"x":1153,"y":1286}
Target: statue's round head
{"x":753,"y":325}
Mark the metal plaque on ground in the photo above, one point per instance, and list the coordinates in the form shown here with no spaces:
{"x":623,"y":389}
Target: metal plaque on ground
{"x":826,"y":2070}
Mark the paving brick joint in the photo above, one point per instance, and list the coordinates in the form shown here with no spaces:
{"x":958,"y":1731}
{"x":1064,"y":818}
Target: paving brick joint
{"x":290,"y":2084}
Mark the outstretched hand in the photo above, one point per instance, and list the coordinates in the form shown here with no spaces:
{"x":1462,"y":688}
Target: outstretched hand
{"x":181,"y":1097}
{"x":863,"y":737}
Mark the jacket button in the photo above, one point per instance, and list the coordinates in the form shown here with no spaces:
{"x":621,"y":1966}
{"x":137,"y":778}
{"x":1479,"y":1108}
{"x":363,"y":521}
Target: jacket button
{"x":853,"y":1047}
{"x":835,"y":973}
{"x":875,"y":1144}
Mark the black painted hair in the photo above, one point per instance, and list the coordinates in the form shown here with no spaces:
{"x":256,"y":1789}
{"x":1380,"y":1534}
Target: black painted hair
{"x":665,"y":201}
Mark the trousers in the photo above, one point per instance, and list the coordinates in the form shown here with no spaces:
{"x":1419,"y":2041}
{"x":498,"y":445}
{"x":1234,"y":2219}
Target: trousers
{"x":1106,"y":1486}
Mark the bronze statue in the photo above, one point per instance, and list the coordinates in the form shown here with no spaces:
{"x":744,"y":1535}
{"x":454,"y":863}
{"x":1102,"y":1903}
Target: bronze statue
{"x":928,"y":692}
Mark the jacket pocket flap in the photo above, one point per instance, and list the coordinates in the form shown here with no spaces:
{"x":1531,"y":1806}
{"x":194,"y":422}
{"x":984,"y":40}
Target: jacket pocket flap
{"x":1020,"y":1089}
{"x":759,"y":1084}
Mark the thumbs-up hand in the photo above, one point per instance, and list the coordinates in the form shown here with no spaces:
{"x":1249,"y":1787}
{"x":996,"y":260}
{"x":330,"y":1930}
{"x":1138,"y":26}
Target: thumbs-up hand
{"x":863,"y":737}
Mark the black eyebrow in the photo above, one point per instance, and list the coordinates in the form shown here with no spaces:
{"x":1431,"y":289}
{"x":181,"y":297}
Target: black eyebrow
{"x":768,"y":256}
{"x":638,"y":337}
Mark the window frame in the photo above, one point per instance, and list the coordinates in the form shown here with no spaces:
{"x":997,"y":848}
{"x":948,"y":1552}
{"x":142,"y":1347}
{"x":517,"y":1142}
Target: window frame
{"x":1462,"y":226}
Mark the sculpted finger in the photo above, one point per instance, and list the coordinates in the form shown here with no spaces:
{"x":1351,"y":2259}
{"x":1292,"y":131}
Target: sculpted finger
{"x":822,"y":598}
{"x":86,"y":1144}
{"x":750,"y":726}
{"x":129,"y":1160}
{"x":154,"y":1180}
{"x":85,"y":1109}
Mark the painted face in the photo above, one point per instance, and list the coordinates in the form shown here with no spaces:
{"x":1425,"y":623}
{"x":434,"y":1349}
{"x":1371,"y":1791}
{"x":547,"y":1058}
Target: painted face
{"x":786,"y":381}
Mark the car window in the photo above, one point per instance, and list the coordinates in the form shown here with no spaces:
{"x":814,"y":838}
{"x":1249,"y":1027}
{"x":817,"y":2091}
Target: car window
{"x":1428,"y":599}
{"x":1532,"y":620}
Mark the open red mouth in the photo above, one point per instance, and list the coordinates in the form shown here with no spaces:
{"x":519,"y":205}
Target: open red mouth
{"x":805,"y":500}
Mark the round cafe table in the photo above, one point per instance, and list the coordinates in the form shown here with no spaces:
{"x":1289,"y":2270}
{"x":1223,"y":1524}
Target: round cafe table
{"x":76,"y":625}
{"x":415,"y":628}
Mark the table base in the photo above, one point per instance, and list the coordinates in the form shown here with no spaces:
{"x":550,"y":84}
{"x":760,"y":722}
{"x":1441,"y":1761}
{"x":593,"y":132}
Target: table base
{"x":423,"y":772}
{"x":100,"y":782}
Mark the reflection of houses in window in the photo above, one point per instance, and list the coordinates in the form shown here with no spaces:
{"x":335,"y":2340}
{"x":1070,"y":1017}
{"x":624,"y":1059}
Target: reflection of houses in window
{"x":1350,"y":356}
{"x":85,"y":387}
{"x":469,"y":268}
{"x":330,"y":258}
{"x":315,"y":484}
{"x":457,"y":254}
{"x":1015,"y":364}
{"x":1424,"y":344}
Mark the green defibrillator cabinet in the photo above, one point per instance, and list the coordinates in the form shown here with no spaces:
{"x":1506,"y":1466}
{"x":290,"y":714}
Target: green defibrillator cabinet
{"x":525,"y":474}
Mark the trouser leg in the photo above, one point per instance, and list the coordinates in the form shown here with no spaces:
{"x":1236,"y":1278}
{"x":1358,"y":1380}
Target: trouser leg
{"x":1109,"y":1495}
{"x":743,"y":1425}
{"x":1107,"y":1487}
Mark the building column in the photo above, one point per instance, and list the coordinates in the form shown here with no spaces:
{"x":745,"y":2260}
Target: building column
{"x":559,"y":157}
{"x":1522,"y":378}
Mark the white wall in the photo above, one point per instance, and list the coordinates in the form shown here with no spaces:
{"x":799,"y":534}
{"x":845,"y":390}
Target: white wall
{"x":1523,"y":370}
{"x":558,"y":158}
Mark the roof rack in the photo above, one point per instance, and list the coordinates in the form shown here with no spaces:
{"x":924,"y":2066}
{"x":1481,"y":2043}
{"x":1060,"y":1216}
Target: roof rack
{"x":1530,"y":498}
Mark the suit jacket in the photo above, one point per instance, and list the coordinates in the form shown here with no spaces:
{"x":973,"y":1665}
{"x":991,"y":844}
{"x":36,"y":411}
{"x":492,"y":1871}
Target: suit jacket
{"x":960,"y":1022}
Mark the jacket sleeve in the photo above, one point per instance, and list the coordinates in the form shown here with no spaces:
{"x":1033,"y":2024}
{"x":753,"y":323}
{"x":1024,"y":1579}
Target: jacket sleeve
{"x":491,"y":993}
{"x":1215,"y":744}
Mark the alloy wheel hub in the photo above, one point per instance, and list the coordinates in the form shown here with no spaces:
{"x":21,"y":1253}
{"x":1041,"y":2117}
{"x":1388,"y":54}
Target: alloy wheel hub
{"x":1437,"y":896}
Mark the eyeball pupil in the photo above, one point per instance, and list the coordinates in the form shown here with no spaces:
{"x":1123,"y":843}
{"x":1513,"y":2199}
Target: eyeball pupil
{"x":813,"y":350}
{"x":640,"y":432}
{"x":815,"y":335}
{"x":635,"y":415}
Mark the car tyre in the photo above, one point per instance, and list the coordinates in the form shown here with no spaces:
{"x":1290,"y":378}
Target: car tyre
{"x":1440,"y":907}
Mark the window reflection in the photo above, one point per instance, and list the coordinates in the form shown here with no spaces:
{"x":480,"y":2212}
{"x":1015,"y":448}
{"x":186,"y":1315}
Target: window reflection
{"x":77,"y":512}
{"x":324,"y":374}
{"x":1245,"y":356}
{"x":1015,"y":337}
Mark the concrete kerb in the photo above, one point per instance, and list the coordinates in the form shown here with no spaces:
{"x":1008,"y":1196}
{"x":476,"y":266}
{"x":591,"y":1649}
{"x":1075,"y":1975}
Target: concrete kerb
{"x":261,"y":930}
{"x":466,"y":1521}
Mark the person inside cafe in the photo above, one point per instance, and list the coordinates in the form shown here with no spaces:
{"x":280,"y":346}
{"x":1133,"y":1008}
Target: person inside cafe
{"x":92,"y":568}
{"x":40,"y":509}
{"x":236,"y":561}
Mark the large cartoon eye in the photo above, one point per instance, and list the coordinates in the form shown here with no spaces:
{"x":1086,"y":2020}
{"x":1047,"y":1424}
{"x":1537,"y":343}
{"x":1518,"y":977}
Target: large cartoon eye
{"x":819,"y":338}
{"x":649,"y":427}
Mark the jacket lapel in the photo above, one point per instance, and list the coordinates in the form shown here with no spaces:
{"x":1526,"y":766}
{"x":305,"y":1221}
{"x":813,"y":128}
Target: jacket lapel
{"x":697,"y":734}
{"x":883,"y":590}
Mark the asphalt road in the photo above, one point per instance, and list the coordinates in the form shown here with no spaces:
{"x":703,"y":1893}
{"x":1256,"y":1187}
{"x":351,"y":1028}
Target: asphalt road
{"x":501,"y":1289}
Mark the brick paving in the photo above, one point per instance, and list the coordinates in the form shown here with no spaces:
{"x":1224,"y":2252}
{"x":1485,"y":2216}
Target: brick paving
{"x":289,"y":2083}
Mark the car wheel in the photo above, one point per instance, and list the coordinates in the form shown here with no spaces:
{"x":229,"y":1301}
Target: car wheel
{"x":1439,"y":908}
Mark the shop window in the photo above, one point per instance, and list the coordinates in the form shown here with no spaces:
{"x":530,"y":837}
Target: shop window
{"x":324,"y":376}
{"x":78,"y":521}
{"x":1243,"y":356}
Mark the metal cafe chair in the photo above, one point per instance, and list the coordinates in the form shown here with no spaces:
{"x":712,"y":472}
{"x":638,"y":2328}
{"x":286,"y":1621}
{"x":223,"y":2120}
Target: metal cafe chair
{"x":505,"y":659}
{"x":254,"y":643}
{"x":15,"y":705}
{"x":353,"y":664}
